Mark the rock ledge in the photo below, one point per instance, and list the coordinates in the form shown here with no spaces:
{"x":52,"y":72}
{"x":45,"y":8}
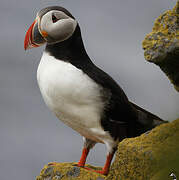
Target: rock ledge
{"x":151,"y":156}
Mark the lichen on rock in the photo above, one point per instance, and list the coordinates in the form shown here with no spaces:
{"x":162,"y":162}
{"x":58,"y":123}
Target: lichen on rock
{"x":68,"y":171}
{"x":161,"y":46}
{"x":152,"y":156}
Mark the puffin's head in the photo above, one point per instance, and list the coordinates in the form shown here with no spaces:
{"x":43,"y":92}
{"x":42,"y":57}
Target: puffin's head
{"x":52,"y":25}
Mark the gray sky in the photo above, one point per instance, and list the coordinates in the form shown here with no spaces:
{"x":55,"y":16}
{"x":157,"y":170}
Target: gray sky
{"x":30,"y":135}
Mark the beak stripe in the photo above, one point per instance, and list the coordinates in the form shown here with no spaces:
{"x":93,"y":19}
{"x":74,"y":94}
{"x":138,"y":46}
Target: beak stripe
{"x":32,"y":26}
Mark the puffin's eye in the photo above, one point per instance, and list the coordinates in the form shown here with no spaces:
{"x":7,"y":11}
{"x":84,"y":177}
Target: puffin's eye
{"x":54,"y":18}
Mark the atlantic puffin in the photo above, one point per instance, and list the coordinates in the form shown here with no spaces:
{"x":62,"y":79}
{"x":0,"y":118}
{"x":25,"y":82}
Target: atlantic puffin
{"x":79,"y":93}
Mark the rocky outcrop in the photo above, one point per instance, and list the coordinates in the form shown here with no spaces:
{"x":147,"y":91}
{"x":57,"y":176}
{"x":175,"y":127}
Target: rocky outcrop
{"x":68,"y":171}
{"x":161,"y":46}
{"x":151,"y":156}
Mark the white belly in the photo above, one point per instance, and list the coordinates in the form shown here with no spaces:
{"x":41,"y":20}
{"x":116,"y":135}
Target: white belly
{"x":72,"y":96}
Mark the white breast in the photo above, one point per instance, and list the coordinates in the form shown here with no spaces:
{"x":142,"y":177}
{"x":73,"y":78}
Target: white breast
{"x":71,"y":95}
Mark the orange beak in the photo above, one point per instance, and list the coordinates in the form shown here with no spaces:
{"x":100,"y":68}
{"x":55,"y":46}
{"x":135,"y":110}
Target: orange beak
{"x":28,"y":41}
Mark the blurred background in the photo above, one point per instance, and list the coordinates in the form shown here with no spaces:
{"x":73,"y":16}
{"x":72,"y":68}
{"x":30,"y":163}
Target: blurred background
{"x":30,"y":135}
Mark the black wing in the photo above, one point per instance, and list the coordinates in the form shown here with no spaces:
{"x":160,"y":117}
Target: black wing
{"x":121,"y":117}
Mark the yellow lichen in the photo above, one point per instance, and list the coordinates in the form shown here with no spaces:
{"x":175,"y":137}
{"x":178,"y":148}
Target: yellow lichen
{"x":151,"y":156}
{"x":165,"y":30}
{"x":161,"y":46}
{"x":66,"y":171}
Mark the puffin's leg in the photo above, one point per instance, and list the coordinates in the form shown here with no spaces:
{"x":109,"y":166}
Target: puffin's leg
{"x":88,"y":144}
{"x":111,"y":151}
{"x":107,"y":164}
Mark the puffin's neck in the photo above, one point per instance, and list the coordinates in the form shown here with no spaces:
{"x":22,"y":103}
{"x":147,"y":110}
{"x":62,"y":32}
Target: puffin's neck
{"x":71,"y":50}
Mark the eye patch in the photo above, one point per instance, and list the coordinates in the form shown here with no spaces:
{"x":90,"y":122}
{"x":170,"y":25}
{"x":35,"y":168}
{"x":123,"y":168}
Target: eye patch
{"x":54,"y":18}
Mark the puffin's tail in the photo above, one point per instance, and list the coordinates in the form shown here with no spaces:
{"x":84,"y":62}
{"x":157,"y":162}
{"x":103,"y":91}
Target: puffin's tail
{"x":146,"y":120}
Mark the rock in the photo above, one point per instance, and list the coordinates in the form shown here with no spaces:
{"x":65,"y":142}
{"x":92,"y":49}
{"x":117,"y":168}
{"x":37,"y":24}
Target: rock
{"x":68,"y":171}
{"x":151,"y":156}
{"x":161,"y":46}
{"x":75,"y":172}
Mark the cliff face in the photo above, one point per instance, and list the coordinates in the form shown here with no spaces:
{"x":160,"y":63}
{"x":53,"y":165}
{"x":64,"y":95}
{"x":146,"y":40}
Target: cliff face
{"x":151,"y":156}
{"x":161,"y":46}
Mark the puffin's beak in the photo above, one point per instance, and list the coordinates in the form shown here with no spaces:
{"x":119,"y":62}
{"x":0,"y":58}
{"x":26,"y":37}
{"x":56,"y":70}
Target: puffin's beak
{"x":28,"y":42}
{"x":33,"y":37}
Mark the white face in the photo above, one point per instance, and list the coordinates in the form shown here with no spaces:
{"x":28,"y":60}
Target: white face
{"x":56,"y":26}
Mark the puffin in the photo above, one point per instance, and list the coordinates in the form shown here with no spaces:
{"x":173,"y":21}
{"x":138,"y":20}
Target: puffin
{"x":78,"y":92}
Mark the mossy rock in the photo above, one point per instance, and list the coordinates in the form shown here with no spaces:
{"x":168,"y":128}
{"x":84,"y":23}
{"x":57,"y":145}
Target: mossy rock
{"x":161,"y":46}
{"x":151,"y":156}
{"x":68,"y":171}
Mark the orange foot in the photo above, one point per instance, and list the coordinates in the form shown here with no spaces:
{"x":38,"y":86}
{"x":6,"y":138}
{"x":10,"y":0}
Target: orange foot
{"x":103,"y":171}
